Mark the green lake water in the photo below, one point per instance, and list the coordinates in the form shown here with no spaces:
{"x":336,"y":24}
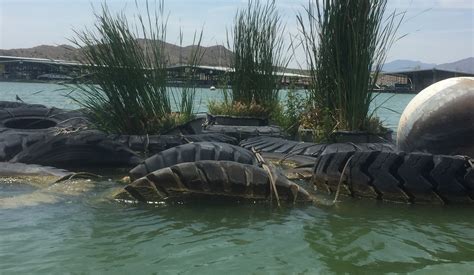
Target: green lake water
{"x":63,"y":230}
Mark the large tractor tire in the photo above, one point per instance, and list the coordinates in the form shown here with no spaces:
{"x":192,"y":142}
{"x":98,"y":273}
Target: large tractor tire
{"x":156,"y":143}
{"x":279,"y":145}
{"x":396,"y":176}
{"x":213,"y":179}
{"x":192,"y":152}
{"x":84,"y":149}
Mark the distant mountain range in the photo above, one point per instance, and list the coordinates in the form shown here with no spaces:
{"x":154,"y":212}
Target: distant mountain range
{"x":464,"y":65}
{"x":220,"y":56}
{"x":213,"y":55}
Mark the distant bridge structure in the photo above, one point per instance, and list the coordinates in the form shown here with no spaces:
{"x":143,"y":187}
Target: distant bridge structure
{"x":413,"y":81}
{"x":27,"y":68}
{"x":215,"y":75}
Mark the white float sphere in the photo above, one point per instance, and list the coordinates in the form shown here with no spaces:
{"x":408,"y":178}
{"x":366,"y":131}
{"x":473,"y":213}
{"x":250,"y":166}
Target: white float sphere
{"x":440,"y":119}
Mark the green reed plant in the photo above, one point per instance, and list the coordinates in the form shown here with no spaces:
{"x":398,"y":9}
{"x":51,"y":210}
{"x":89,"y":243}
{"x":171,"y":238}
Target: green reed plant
{"x":290,"y":114}
{"x":257,"y":44}
{"x":127,"y":62}
{"x":346,"y":43}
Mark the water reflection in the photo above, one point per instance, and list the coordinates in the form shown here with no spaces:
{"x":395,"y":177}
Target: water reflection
{"x":361,"y":236}
{"x":91,"y":233}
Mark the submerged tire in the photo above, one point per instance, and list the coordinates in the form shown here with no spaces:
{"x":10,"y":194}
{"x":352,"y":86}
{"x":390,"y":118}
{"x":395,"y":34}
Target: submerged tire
{"x":244,"y":132}
{"x":155,"y":144}
{"x":221,"y":179}
{"x":85,"y":149}
{"x":279,"y":145}
{"x":193,"y":152}
{"x":397,"y":176}
{"x":31,"y":170}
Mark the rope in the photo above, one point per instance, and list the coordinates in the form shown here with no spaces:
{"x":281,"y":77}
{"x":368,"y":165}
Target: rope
{"x":147,"y":143}
{"x":10,"y":113}
{"x":268,"y":169}
{"x":295,"y":194}
{"x":355,"y":146}
{"x":73,"y":118}
{"x":185,"y":138}
{"x":69,"y":130}
{"x":340,"y":180}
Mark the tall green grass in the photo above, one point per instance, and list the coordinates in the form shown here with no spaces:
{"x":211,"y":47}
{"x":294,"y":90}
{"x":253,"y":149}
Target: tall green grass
{"x":346,"y":43}
{"x":256,"y":40}
{"x":127,"y":62}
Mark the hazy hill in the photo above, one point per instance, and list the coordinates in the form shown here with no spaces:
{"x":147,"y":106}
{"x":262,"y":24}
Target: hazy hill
{"x":406,"y":65}
{"x":61,"y":52}
{"x":464,"y":65}
{"x":213,"y":55}
{"x":220,"y":56}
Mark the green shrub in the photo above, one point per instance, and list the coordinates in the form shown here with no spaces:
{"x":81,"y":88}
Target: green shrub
{"x":257,"y":45}
{"x":290,"y":115}
{"x":128,"y":93}
{"x":346,"y":43}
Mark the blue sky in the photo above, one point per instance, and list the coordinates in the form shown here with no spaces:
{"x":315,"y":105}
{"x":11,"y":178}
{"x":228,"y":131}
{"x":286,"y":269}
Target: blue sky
{"x":438,"y":31}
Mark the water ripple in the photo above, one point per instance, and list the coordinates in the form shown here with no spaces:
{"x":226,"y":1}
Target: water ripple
{"x":89,"y":234}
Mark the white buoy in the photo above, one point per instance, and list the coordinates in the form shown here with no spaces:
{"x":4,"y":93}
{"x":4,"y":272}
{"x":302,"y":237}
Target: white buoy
{"x":440,"y":119}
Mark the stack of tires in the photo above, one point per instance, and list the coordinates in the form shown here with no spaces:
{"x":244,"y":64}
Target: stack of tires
{"x":36,"y":134}
{"x":208,"y":170}
{"x":379,"y":171}
{"x":22,"y":125}
{"x":204,"y":160}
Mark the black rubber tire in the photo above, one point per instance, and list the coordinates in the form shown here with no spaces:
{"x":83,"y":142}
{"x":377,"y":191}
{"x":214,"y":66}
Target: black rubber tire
{"x":84,"y":149}
{"x":289,"y":161}
{"x":213,"y":137}
{"x":244,"y":132}
{"x":193,"y":152}
{"x":224,"y":179}
{"x":155,"y":144}
{"x":13,"y":142}
{"x":15,"y":135}
{"x":397,"y":176}
{"x":235,"y":120}
{"x":32,"y":118}
{"x":192,"y":127}
{"x":279,"y":145}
